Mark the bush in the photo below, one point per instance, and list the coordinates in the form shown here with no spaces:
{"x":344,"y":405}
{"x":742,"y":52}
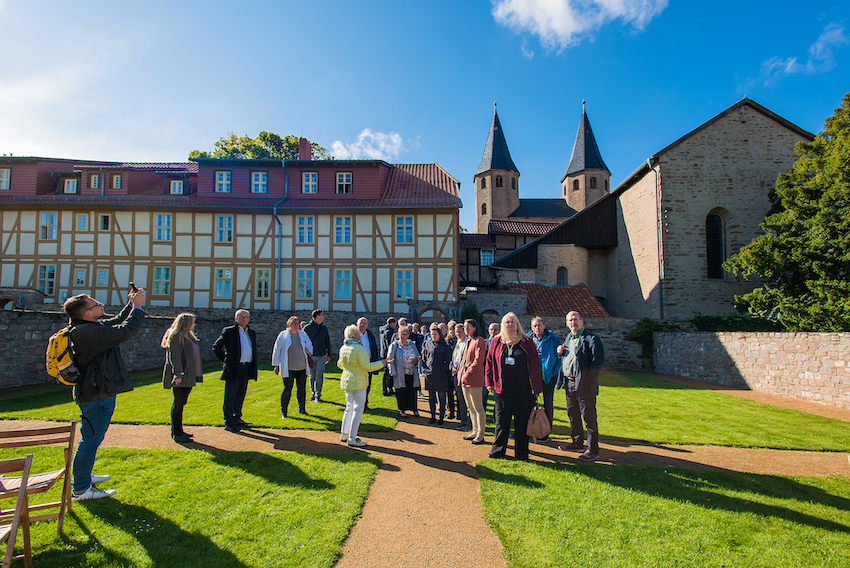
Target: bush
{"x":643,"y":335}
{"x":734,"y":322}
{"x":470,"y":311}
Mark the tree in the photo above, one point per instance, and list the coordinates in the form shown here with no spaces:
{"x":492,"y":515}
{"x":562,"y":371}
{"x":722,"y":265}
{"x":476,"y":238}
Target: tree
{"x":804,"y":254}
{"x":267,"y":145}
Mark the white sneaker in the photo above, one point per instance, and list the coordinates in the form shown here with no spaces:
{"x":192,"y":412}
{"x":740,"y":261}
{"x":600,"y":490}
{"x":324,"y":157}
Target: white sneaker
{"x":93,"y":493}
{"x":356,"y":443}
{"x":99,"y":478}
{"x":343,"y":437}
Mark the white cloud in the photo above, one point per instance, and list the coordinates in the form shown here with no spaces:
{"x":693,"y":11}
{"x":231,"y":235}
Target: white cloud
{"x":821,"y":57}
{"x":370,"y":145}
{"x":562,"y":23}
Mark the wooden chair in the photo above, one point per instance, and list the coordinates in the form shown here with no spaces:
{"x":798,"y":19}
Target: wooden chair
{"x":43,"y":482}
{"x":15,"y":487}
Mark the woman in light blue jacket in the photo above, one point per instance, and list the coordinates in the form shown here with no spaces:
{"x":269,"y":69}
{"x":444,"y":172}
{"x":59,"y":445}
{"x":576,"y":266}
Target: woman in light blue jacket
{"x":289,"y":357}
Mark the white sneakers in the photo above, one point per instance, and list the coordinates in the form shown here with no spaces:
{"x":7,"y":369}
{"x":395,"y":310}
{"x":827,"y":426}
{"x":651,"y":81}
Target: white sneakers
{"x":95,"y":479}
{"x":93,"y":493}
{"x":356,"y":442}
{"x":343,"y":437}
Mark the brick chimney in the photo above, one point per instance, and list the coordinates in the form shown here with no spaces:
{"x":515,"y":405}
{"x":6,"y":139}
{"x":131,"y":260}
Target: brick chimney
{"x":305,"y":151}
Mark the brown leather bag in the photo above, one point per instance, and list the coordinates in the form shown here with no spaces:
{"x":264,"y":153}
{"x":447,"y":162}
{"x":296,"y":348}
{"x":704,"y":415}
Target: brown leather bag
{"x":538,"y":424}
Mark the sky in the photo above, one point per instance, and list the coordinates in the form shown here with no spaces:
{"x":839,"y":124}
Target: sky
{"x":408,"y":81}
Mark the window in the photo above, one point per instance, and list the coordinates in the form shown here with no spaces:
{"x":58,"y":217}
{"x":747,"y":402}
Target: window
{"x":79,"y":277}
{"x":259,"y":182}
{"x":575,"y":185}
{"x":70,"y":186}
{"x":161,"y":281}
{"x":403,"y":284}
{"x":593,"y":183}
{"x":116,"y":181}
{"x":561,"y":276}
{"x":483,"y":183}
{"x":310,"y":182}
{"x":305,"y":230}
{"x":263,"y":284}
{"x":47,"y":228}
{"x":343,"y":285}
{"x":102,"y":277}
{"x":103,"y":223}
{"x":403,"y":230}
{"x":606,"y":185}
{"x":487,"y":257}
{"x":82,"y":222}
{"x":714,"y":245}
{"x":343,"y":182}
{"x":498,"y":181}
{"x":162,"y":227}
{"x":94,"y":181}
{"x":224,"y":229}
{"x":46,"y":279}
{"x":223,"y":281}
{"x":176,"y":187}
{"x":222,"y":182}
{"x":483,"y":208}
{"x":342,"y":234}
{"x":513,"y":183}
{"x":305,"y":285}
{"x":5,"y":178}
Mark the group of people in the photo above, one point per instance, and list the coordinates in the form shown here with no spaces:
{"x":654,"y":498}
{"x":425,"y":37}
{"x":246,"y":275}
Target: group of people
{"x":458,"y":367}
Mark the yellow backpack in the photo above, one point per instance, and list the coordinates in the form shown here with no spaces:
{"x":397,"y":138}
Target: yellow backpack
{"x":60,"y":357}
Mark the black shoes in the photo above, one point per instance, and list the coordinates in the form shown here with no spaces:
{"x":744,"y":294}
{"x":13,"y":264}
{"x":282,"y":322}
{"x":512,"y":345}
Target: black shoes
{"x":463,"y":427}
{"x":182,"y":438}
{"x":432,"y":421}
{"x":232,"y":428}
{"x":242,"y":424}
{"x":572,"y":446}
{"x":588,"y":456}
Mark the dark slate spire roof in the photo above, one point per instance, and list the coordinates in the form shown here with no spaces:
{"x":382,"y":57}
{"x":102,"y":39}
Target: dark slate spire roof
{"x":496,"y":154}
{"x":586,"y":155}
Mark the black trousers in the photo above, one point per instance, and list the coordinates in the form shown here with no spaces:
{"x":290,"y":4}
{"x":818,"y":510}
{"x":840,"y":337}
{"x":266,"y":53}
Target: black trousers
{"x":520,"y":413}
{"x":578,"y":408}
{"x":450,"y":396}
{"x":406,"y":396}
{"x":299,"y":378}
{"x":462,"y":411}
{"x":181,"y":395}
{"x":234,"y":396}
{"x":549,"y":400}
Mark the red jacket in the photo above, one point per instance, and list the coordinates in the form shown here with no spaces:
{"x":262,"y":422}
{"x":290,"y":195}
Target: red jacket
{"x":493,"y":371}
{"x":471,"y":371}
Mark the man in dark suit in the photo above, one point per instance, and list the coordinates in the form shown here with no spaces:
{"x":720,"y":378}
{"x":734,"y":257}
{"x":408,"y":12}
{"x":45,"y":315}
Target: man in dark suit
{"x":237,"y":348}
{"x":372,"y":348}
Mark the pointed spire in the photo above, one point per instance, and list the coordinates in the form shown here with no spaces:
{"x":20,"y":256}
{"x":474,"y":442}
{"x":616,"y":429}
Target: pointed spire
{"x":496,"y":154}
{"x":586,"y":155}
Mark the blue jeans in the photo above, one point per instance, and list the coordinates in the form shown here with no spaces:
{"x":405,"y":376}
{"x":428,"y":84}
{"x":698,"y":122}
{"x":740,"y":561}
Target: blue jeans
{"x":94,"y":421}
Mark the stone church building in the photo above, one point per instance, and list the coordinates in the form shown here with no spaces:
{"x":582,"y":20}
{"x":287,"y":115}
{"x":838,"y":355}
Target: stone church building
{"x":654,"y":245}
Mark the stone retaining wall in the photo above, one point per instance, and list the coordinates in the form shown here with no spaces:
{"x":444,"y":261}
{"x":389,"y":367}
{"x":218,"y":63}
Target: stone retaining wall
{"x":811,"y":366}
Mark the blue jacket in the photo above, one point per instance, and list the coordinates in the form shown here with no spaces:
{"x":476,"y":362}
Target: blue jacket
{"x":547,"y":348}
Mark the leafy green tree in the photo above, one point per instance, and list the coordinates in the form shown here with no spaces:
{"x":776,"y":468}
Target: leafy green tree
{"x":804,"y":254}
{"x":267,"y":145}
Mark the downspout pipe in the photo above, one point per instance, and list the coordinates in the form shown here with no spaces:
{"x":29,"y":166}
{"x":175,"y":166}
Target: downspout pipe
{"x":659,"y":222}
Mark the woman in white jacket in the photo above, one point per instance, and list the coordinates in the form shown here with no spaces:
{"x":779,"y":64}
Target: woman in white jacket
{"x":289,"y":357}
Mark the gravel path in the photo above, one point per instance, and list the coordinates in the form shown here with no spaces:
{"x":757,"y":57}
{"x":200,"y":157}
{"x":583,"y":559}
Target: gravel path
{"x":423,"y":509}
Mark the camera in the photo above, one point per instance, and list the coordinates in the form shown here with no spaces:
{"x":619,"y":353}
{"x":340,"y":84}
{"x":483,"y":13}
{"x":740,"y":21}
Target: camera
{"x":133,"y":287}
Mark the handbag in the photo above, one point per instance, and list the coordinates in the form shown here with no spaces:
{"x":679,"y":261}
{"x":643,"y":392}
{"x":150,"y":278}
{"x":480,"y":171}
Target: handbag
{"x":538,"y":423}
{"x":310,"y":362}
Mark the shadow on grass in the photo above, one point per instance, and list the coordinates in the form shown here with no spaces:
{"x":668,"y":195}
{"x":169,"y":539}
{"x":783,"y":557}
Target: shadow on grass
{"x":703,"y":488}
{"x":486,"y":472}
{"x":165,"y":542}
{"x":640,"y":380}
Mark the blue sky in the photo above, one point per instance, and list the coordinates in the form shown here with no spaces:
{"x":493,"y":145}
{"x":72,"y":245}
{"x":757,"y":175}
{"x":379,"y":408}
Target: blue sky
{"x":409,"y":82}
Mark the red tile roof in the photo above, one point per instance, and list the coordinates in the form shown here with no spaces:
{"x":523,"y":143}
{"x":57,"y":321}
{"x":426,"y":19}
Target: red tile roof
{"x":560,"y":300}
{"x":421,"y":185}
{"x":520,"y":227}
{"x":475,"y":240}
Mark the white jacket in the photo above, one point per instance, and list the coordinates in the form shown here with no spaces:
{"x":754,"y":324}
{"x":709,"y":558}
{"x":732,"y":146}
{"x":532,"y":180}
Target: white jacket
{"x":281,"y":346}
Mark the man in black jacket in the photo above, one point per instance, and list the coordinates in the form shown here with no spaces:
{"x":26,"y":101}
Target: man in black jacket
{"x":321,"y":340}
{"x":237,"y":348}
{"x":372,"y":348}
{"x":103,"y":374}
{"x":385,"y":334}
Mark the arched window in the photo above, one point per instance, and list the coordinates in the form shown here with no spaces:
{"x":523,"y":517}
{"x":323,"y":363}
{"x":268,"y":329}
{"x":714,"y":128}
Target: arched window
{"x":606,"y":185}
{"x":561,"y":277}
{"x":715,"y":247}
{"x":513,"y":183}
{"x":483,"y":183}
{"x":483,"y":208}
{"x":575,"y":185}
{"x":592,"y":183}
{"x":498,"y":181}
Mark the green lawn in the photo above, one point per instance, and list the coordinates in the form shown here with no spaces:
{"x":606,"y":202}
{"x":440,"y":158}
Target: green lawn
{"x":210,"y":509}
{"x":594,"y":515}
{"x":149,"y":403}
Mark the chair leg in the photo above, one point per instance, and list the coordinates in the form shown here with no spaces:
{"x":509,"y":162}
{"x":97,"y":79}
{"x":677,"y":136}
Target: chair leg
{"x":25,"y":522}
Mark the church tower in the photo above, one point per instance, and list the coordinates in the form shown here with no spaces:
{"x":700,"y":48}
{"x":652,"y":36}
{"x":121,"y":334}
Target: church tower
{"x":586,"y":178}
{"x":496,"y":180}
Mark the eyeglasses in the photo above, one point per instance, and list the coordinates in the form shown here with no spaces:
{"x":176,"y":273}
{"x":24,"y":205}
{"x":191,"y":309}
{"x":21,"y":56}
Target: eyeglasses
{"x":96,"y":304}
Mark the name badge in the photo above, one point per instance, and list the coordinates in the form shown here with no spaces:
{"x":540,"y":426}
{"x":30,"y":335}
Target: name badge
{"x":509,"y":361}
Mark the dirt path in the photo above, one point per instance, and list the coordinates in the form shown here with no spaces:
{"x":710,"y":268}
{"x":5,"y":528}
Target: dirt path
{"x":423,"y":509}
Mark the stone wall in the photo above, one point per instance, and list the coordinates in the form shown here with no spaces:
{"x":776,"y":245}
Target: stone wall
{"x":811,"y":366}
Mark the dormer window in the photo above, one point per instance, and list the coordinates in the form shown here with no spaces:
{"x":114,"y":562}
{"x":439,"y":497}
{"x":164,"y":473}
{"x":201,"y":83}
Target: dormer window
{"x":343,"y":182}
{"x":116,"y":181}
{"x":70,"y":186}
{"x":222,"y":182}
{"x":176,"y":187}
{"x":259,"y":182}
{"x":94,"y":181}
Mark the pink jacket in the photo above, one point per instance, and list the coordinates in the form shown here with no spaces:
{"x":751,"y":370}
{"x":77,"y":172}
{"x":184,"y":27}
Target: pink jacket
{"x":471,"y":372}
